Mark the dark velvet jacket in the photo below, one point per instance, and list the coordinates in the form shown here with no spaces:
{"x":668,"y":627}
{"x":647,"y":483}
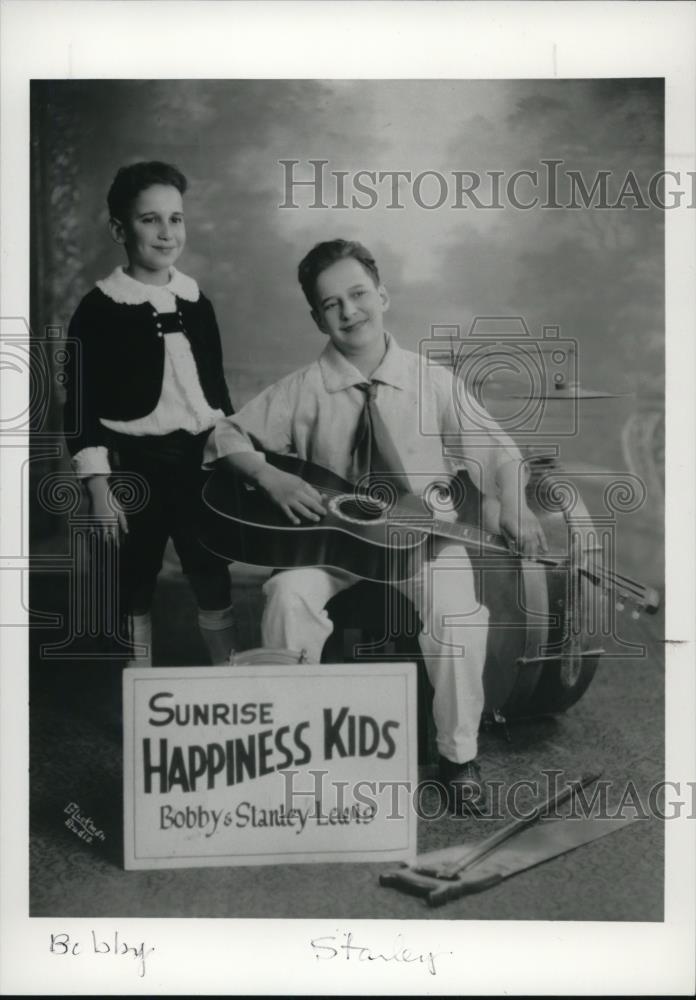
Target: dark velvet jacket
{"x":117,"y":371}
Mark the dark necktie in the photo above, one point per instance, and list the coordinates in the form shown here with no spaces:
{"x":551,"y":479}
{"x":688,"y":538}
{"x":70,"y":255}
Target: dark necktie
{"x":374,"y":452}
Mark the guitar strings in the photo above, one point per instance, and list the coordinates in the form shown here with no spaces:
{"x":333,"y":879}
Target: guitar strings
{"x":631,"y":587}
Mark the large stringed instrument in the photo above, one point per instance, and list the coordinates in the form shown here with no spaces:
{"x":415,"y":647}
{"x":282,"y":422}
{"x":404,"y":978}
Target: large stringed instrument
{"x":550,"y":615}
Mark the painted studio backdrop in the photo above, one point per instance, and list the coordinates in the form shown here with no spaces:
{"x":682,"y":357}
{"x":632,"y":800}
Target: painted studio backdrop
{"x":446,"y":256}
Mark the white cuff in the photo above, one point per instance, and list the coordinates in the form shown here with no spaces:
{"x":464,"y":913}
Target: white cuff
{"x":92,"y":461}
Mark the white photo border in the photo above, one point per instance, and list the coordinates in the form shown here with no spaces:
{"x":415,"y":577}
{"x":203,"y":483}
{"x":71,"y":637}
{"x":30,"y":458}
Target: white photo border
{"x":90,"y":39}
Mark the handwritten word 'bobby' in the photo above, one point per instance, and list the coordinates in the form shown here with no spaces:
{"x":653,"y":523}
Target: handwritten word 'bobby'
{"x":61,"y":944}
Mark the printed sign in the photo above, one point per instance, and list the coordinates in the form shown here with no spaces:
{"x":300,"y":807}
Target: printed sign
{"x":251,"y":765}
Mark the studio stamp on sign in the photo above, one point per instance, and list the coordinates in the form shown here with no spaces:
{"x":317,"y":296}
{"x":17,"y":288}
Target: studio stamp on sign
{"x":244,"y":766}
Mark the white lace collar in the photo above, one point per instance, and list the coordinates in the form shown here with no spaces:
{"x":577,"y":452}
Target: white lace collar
{"x":120,"y":287}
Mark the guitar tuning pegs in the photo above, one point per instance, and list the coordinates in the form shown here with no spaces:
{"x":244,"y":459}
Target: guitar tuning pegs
{"x":620,"y":605}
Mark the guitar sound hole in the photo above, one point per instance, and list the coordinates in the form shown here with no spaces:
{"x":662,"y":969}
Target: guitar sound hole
{"x":363,"y":509}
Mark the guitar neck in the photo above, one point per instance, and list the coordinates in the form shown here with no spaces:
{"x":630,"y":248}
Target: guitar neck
{"x":621,"y":587}
{"x":485,"y":540}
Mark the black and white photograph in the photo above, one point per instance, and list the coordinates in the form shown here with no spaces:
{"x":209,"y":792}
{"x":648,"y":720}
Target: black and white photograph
{"x":348,"y":509}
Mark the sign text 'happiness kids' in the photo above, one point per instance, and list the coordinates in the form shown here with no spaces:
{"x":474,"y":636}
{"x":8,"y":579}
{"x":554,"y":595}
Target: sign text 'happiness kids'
{"x":255,"y":765}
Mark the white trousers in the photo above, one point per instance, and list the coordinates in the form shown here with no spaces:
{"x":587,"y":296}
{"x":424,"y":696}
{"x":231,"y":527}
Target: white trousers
{"x":452,"y":640}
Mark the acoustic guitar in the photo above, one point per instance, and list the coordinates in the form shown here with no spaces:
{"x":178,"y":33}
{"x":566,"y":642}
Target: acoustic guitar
{"x":376,"y":535}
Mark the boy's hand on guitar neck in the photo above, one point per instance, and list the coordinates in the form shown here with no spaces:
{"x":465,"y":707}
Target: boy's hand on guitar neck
{"x":518,"y":524}
{"x":293,"y":495}
{"x":522,"y":530}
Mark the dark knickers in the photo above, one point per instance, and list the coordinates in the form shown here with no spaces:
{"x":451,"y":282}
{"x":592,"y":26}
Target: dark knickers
{"x":171,"y":468}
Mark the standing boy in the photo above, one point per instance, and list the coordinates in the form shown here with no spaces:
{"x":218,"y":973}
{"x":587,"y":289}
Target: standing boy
{"x":320,"y":414}
{"x":149,"y":386}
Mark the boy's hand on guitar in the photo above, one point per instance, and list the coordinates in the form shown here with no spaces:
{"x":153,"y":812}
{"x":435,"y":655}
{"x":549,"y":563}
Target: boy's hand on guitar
{"x":522,"y":530}
{"x":292,"y":494}
{"x":104,"y":506}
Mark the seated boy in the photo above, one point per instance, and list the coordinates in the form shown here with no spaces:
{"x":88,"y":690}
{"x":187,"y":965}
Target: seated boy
{"x":321,"y":413}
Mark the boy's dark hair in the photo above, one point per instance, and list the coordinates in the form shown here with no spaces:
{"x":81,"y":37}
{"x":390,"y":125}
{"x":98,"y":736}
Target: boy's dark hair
{"x":323,"y":255}
{"x":136,"y":177}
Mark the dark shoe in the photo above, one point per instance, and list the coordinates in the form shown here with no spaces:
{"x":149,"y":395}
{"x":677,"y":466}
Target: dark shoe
{"x":462,"y":782}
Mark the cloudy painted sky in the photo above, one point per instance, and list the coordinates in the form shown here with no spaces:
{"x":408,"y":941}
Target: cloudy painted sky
{"x":597,"y":274}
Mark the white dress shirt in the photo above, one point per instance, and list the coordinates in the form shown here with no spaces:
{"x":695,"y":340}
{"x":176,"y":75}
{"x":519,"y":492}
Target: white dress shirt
{"x":314,"y":414}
